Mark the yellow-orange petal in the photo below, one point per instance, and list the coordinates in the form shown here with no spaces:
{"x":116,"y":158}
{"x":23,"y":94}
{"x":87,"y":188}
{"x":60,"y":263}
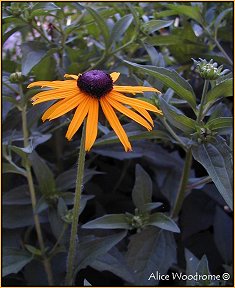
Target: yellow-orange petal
{"x":54,"y":84}
{"x":78,"y":117}
{"x":92,"y":123}
{"x":75,"y":77}
{"x":144,"y":113}
{"x":52,"y":108}
{"x":129,"y":113}
{"x":115,"y":124}
{"x":115,"y":76}
{"x":53,"y":94}
{"x":133,"y":102}
{"x":67,"y":106}
{"x":134,"y":89}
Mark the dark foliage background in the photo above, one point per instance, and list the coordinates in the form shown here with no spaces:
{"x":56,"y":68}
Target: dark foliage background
{"x":149,"y":43}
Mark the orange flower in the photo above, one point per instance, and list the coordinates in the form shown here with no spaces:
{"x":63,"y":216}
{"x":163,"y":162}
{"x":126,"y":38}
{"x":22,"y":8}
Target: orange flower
{"x":85,"y":92}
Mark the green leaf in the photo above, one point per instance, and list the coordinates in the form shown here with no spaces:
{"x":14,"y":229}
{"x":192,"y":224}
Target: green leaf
{"x":176,"y":117}
{"x":155,"y":25}
{"x":191,"y":266}
{"x":86,"y":283}
{"x":101,"y":24}
{"x":171,"y":79}
{"x":42,"y":8}
{"x":43,"y":174}
{"x":7,"y":34}
{"x":14,"y":260}
{"x":114,"y":262}
{"x":13,"y":168}
{"x":149,"y":250}
{"x":133,"y":133}
{"x":151,"y":206}
{"x":17,"y":216}
{"x":17,"y":196}
{"x":192,"y":12}
{"x":224,"y":89}
{"x":90,"y":250}
{"x":32,"y":53}
{"x":22,"y":152}
{"x":41,"y":205}
{"x":120,"y":27}
{"x":33,"y":250}
{"x":220,"y":125}
{"x":216,"y":158}
{"x":220,"y":18}
{"x":162,"y":40}
{"x":110,"y":221}
{"x":142,"y":191}
{"x":223,"y":225}
{"x":162,"y":221}
{"x":203,"y":269}
{"x":67,"y":179}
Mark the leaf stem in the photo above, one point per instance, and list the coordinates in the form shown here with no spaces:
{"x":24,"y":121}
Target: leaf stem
{"x":173,"y":134}
{"x":200,"y":113}
{"x":46,"y":261}
{"x":77,"y":197}
{"x":223,"y":52}
{"x":183,"y":184}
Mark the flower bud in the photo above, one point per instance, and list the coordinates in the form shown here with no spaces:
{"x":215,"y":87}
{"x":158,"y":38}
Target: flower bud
{"x":209,"y":70}
{"x":17,"y":77}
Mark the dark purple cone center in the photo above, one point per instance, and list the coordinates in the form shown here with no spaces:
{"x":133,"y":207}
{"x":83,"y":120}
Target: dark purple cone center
{"x":96,"y":83}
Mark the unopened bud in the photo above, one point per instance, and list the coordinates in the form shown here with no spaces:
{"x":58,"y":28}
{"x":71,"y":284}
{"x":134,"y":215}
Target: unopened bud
{"x":17,"y":77}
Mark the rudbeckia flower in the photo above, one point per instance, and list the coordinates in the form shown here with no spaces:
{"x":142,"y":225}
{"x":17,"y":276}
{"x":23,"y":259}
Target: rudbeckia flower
{"x":86,"y":92}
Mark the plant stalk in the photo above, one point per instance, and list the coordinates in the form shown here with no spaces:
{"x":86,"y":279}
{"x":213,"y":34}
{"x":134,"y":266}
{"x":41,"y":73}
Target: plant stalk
{"x":46,"y":261}
{"x":173,"y":134}
{"x":223,"y":52}
{"x":76,"y":208}
{"x":205,"y":88}
{"x":183,"y":184}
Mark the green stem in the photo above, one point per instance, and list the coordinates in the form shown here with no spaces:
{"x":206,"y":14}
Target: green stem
{"x":77,"y":197}
{"x":205,"y":88}
{"x":173,"y":134}
{"x":46,"y":261}
{"x":183,"y":184}
{"x":12,"y":89}
{"x":223,"y":52}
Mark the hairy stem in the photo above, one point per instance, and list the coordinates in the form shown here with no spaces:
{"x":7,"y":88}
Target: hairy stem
{"x":173,"y":134}
{"x":46,"y":261}
{"x":200,"y":113}
{"x":76,"y":208}
{"x":183,"y":184}
{"x":223,"y":52}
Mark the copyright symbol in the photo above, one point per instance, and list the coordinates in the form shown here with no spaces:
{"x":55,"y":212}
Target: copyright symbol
{"x":225,"y":276}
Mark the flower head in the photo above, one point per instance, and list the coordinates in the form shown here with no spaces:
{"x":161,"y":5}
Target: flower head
{"x":88,"y":91}
{"x":209,"y":70}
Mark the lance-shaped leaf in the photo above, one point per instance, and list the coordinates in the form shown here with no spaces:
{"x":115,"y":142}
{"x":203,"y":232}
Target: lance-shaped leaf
{"x":216,"y":158}
{"x":177,"y":118}
{"x":171,"y":79}
{"x":155,"y":25}
{"x":164,"y":222}
{"x":90,"y":250}
{"x":32,"y":53}
{"x":222,"y":125}
{"x":223,"y":89}
{"x":192,"y":12}
{"x":14,"y":260}
{"x":142,"y":191}
{"x":43,"y":174}
{"x":120,"y":27}
{"x":101,"y":24}
{"x":150,"y":250}
{"x":111,"y":221}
